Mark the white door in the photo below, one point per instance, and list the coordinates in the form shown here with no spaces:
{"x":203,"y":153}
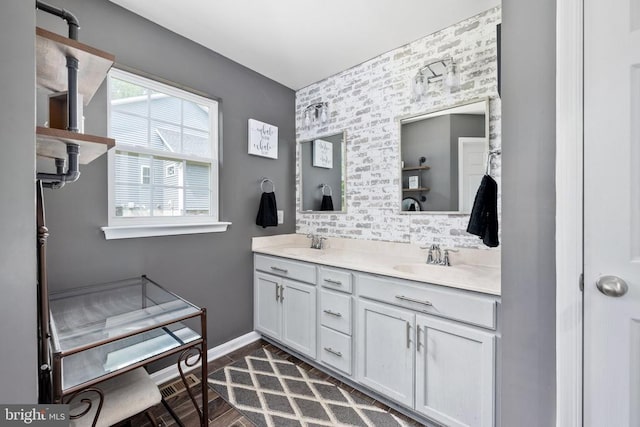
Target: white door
{"x":455,"y":373}
{"x":267,"y":313}
{"x":299,"y":317}
{"x":612,"y":213}
{"x":472,"y":158}
{"x":385,"y":350}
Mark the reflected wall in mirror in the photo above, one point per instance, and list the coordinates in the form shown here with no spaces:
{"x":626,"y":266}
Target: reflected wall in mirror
{"x":322,"y":163}
{"x":443,"y":158}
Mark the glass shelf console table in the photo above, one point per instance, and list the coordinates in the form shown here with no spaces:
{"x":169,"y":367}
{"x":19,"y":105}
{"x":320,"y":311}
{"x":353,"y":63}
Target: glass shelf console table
{"x":102,"y":331}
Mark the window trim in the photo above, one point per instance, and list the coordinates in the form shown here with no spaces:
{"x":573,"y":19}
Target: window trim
{"x":129,"y":227}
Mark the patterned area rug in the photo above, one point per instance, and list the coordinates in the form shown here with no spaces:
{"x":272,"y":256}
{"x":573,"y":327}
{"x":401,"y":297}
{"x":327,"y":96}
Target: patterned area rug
{"x":271,"y":391}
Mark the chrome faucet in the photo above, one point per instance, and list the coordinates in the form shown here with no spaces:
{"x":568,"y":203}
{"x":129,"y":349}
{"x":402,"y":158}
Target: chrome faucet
{"x":317,"y":242}
{"x":436,"y":256}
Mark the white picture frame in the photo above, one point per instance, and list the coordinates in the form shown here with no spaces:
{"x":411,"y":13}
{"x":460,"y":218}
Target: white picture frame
{"x":263,"y":139}
{"x":322,"y":154}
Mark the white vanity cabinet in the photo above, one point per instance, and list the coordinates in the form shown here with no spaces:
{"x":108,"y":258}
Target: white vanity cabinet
{"x":285,"y":308}
{"x":443,"y":369}
{"x":431,"y":349}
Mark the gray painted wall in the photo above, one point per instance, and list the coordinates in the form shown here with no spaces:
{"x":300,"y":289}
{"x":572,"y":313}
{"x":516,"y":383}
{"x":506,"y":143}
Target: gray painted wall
{"x":211,"y":270}
{"x":18,"y":351}
{"x":528,"y":220}
{"x":313,"y":176}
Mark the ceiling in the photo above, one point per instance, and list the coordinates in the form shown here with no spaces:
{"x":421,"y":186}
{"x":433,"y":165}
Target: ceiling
{"x":299,"y":42}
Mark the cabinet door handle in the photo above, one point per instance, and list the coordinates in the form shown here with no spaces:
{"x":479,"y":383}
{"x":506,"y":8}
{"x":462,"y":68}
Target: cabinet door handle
{"x":335,"y":282}
{"x":281,"y":293}
{"x":408,"y":335}
{"x":332,"y":351}
{"x":277,"y":292}
{"x":403,"y":298}
{"x":281,"y":270}
{"x":333,"y":313}
{"x":418,"y":337}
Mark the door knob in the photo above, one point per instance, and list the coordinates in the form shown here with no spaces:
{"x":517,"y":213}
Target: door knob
{"x":612,"y":286}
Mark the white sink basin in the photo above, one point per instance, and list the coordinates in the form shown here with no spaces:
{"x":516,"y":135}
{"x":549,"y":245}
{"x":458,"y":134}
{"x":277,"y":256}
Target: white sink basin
{"x":309,"y":252}
{"x":421,"y":269}
{"x":457,"y":273}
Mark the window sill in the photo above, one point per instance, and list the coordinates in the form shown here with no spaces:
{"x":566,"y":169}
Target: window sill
{"x":134,"y":231}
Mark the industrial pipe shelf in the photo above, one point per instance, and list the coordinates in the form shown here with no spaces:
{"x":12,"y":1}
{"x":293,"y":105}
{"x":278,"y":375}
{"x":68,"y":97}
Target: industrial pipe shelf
{"x":51,"y":143}
{"x":51,"y":52}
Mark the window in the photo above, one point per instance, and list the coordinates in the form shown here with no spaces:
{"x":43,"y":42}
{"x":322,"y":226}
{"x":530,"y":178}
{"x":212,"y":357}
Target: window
{"x":145,"y":175}
{"x":163,"y":171}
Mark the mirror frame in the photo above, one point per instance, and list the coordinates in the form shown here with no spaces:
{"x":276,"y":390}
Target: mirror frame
{"x":433,"y":113}
{"x":343,"y":172}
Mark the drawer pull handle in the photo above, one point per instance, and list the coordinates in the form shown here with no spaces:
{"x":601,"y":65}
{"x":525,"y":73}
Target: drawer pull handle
{"x":281,"y":270}
{"x":335,"y":282}
{"x":402,"y":297}
{"x":333,"y":313}
{"x":332,"y":351}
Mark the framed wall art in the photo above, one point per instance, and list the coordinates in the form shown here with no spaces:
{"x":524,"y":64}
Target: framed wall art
{"x":322,"y":154}
{"x":263,"y":139}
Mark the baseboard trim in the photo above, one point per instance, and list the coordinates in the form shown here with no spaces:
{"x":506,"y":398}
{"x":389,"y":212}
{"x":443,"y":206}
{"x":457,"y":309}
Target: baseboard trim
{"x":171,"y":372}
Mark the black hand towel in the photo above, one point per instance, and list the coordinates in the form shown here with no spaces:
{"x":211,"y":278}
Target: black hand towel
{"x":484,"y":215}
{"x":327,"y":203}
{"x":268,"y":211}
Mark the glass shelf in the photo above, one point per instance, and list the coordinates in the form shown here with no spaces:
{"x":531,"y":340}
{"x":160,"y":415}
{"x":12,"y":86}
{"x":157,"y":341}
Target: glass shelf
{"x":100,"y":329}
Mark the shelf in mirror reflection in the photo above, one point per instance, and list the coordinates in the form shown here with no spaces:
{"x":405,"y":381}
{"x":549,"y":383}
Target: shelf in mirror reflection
{"x":416,"y":168}
{"x":410,"y":190}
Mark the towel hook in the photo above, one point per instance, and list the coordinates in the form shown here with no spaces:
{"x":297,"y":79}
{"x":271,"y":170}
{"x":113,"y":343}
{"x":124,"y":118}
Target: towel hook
{"x":325,"y":186}
{"x":265,"y":181}
{"x":490,"y":155}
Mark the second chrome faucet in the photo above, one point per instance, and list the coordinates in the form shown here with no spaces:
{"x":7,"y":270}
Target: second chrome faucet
{"x":317,"y":242}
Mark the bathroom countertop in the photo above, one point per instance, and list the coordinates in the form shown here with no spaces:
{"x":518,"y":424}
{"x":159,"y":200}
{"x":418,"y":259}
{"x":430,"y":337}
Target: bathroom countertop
{"x":475,"y":270}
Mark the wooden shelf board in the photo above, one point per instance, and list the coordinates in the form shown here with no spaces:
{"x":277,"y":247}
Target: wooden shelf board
{"x":51,"y":70}
{"x":412,"y":190}
{"x":52,"y":143}
{"x":417,"y":168}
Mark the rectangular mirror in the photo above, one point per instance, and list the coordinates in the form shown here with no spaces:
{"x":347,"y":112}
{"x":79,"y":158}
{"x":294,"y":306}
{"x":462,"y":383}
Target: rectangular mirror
{"x":322,"y":165}
{"x":443,"y":158}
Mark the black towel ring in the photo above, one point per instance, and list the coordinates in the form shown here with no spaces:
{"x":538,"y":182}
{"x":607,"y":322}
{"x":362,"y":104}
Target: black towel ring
{"x":267,"y":180}
{"x":325,"y":186}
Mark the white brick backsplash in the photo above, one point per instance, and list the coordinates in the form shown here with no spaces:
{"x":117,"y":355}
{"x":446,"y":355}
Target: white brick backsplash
{"x":366,"y":101}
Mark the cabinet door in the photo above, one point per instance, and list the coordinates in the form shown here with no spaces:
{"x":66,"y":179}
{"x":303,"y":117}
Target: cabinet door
{"x":267,"y":307}
{"x":299,"y":317}
{"x":385,"y":350}
{"x":455,"y":373}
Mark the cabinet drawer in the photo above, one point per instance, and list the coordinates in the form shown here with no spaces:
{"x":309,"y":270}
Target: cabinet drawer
{"x":335,"y":350}
{"x":335,"y":311}
{"x":297,"y":270}
{"x":334,"y":278}
{"x":452,"y":304}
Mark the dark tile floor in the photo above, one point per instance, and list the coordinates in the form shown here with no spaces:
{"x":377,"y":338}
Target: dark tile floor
{"x":222,"y":414}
